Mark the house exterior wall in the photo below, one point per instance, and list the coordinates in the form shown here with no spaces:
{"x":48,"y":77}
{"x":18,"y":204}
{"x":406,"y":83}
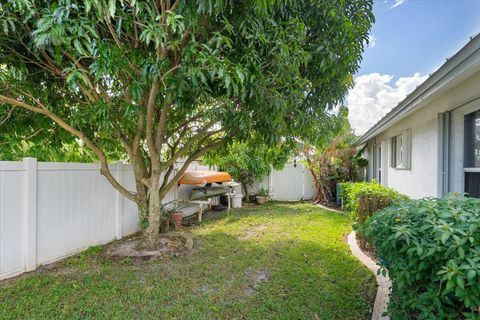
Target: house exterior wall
{"x":423,"y":177}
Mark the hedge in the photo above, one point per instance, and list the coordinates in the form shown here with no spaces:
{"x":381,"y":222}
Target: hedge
{"x":431,"y":248}
{"x":363,"y":199}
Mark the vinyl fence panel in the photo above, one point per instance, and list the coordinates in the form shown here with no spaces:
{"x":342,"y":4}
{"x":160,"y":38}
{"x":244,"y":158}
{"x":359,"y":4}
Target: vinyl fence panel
{"x":293,"y":183}
{"x":49,"y":211}
{"x":76,"y":209}
{"x":12,"y":218}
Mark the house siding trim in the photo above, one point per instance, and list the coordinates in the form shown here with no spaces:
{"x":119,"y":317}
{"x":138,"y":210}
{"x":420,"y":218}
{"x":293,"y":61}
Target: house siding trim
{"x":443,"y":153}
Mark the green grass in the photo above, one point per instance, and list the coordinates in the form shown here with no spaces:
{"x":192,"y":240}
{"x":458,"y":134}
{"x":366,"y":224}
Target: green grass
{"x":311,"y":275}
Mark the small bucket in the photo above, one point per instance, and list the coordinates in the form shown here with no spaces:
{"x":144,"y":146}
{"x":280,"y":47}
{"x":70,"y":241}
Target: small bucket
{"x":236,"y":201}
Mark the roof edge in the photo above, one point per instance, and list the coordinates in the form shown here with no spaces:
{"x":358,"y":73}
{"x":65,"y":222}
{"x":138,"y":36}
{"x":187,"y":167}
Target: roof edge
{"x":415,"y":98}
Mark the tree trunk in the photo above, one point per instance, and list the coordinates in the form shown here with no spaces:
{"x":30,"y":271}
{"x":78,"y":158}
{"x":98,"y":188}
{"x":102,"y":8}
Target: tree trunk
{"x":244,"y":185}
{"x":156,"y":218}
{"x":154,"y":214}
{"x":154,"y":210}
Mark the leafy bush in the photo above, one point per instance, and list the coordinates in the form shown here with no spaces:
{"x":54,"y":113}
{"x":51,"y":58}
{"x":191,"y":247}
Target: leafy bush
{"x":249,"y":161}
{"x":331,"y":163}
{"x":363,"y":199}
{"x":431,"y":249}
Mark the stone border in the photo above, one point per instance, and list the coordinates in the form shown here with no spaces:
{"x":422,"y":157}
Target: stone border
{"x":329,"y":209}
{"x":384,"y":283}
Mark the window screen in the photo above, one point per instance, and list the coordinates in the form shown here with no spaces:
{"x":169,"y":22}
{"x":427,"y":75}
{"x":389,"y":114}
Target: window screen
{"x":472,"y":140}
{"x":472,"y":184}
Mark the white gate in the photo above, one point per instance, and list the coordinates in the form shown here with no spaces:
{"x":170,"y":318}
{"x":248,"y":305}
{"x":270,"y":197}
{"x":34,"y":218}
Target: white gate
{"x":294,"y":182}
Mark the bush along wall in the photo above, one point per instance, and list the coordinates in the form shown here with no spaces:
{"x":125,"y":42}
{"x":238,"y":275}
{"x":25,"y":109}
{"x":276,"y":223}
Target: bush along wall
{"x":431,"y":248}
{"x":362,"y":199}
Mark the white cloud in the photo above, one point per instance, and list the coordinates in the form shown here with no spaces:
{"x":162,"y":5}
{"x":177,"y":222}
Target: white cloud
{"x":372,"y":41}
{"x":373,"y":96}
{"x":397,"y":3}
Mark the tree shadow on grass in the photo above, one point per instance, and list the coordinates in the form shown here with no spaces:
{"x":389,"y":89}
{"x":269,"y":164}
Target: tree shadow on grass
{"x":305,"y":279}
{"x":302,"y":273}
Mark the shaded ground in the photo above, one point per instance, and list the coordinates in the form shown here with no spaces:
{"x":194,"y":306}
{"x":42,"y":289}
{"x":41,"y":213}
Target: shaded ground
{"x":168,"y":244}
{"x":276,"y":261}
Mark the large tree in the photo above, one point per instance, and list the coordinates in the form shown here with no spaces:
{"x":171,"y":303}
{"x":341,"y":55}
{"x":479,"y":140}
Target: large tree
{"x":167,"y":80}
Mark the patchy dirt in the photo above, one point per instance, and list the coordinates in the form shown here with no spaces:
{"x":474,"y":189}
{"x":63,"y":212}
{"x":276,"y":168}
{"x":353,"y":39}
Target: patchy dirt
{"x":255,"y":231}
{"x":60,"y":268}
{"x":172,"y":243}
{"x":253,"y":279}
{"x":192,"y":220}
{"x":205,"y":290}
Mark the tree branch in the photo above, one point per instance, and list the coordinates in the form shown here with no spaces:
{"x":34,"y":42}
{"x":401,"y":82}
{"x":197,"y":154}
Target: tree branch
{"x":84,"y":71}
{"x":105,"y":171}
{"x":192,"y":158}
{"x":175,"y":5}
{"x":190,"y":143}
{"x":8,"y":116}
{"x":154,"y":154}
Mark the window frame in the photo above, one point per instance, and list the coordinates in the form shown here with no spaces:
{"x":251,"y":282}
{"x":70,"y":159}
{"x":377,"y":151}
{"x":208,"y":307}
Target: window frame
{"x":377,"y":163}
{"x":400,"y":150}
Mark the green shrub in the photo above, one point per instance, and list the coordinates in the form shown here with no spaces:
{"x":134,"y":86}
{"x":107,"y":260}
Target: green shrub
{"x":363,"y":199}
{"x":431,"y":248}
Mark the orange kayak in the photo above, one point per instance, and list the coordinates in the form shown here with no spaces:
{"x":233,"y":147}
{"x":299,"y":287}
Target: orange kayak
{"x":203,"y":177}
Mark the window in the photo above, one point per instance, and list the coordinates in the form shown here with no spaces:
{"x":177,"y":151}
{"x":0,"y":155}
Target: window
{"x":472,"y":184}
{"x":471,"y":157}
{"x":400,"y":150}
{"x":472,"y":140}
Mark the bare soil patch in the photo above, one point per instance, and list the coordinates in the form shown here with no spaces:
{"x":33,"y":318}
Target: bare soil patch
{"x":253,"y":279}
{"x":172,"y":243}
{"x":255,"y":231}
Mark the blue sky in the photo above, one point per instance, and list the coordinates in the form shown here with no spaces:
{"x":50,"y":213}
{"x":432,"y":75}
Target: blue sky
{"x":410,"y":39}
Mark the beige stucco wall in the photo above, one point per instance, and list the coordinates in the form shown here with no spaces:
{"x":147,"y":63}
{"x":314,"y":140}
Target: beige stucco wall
{"x":422,"y":179}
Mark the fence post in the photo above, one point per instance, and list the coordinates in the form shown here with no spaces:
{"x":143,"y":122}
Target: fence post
{"x":119,"y":203}
{"x":303,"y":181}
{"x":270,"y":185}
{"x":30,"y":214}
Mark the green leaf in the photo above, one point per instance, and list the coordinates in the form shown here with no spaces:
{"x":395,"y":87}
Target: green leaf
{"x":450,"y":284}
{"x":471,"y":274}
{"x":419,"y":251}
{"x":78,"y":46}
{"x":88,"y":6}
{"x":460,"y":281}
{"x":444,"y":237}
{"x":112,"y":7}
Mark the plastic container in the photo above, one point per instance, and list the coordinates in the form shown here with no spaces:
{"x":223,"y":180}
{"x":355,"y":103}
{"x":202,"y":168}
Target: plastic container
{"x":236,"y":201}
{"x":237,"y":189}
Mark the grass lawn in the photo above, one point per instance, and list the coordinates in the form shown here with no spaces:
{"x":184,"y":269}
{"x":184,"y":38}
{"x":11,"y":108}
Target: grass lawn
{"x":276,"y":261}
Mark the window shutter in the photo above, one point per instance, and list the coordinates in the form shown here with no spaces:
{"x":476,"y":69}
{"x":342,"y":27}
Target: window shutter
{"x":407,"y":148}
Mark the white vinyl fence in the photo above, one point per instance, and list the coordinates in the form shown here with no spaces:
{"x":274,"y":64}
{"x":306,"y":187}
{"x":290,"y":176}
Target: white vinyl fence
{"x":52,"y":210}
{"x":49,"y":211}
{"x":293,"y":183}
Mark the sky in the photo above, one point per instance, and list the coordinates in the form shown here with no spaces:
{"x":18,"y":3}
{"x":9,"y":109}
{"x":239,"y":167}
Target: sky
{"x":409,"y":40}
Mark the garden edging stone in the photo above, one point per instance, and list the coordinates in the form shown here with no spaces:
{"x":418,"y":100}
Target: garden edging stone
{"x":384,"y":283}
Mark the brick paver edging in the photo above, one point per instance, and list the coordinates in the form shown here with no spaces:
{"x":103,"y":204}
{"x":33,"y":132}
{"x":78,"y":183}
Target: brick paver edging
{"x":384,"y":283}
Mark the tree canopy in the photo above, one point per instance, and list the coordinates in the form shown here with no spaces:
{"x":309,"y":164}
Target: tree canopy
{"x":250,"y":161}
{"x":167,"y":80}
